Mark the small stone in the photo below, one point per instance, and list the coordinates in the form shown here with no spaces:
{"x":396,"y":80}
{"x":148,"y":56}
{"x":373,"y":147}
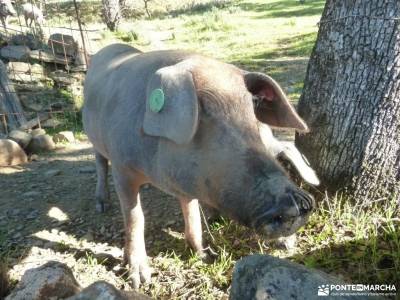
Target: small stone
{"x":64,"y":136}
{"x":17,"y":236}
{"x":53,"y":280}
{"x":34,"y":157}
{"x":102,"y":230}
{"x":32,"y":215}
{"x":170,"y":223}
{"x":87,"y":170}
{"x":13,"y":212}
{"x":52,"y":173}
{"x":31,"y":194}
{"x":51,"y":123}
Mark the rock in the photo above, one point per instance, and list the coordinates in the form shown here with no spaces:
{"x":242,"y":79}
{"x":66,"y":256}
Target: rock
{"x":64,"y":136}
{"x":32,"y":215}
{"x":87,"y":170}
{"x":63,"y":44}
{"x":38,"y":131}
{"x":11,"y":153}
{"x":21,"y":137}
{"x":62,"y":78}
{"x":51,"y":123}
{"x":53,"y":280}
{"x":41,"y":143}
{"x":267,"y":277}
{"x":25,"y":72}
{"x":52,"y":173}
{"x":15,"y":52}
{"x":46,"y":56}
{"x":26,"y":39}
{"x":102,"y":290}
{"x":30,"y":103}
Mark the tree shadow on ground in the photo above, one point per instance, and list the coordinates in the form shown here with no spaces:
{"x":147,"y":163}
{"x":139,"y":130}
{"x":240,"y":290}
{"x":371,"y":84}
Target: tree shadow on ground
{"x":284,"y":8}
{"x":29,"y":194}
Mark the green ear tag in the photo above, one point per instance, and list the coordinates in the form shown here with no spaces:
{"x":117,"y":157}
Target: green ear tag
{"x":156,"y":100}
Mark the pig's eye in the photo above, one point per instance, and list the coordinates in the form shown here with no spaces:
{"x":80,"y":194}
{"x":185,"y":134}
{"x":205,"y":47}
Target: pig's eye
{"x":278,"y":219}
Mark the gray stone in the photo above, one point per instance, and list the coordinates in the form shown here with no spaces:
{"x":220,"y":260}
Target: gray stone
{"x":102,"y":290}
{"x":51,"y":173}
{"x":62,"y":78}
{"x":38,"y":131}
{"x":46,"y":56}
{"x":53,"y":280}
{"x":87,"y":170}
{"x":30,"y":103}
{"x":41,"y":143}
{"x":25,"y":72}
{"x":51,"y":123}
{"x":64,"y":136}
{"x":265,"y":277}
{"x":11,"y":153}
{"x":21,"y":137}
{"x":63,"y":44}
{"x":26,"y":39}
{"x":15,"y":52}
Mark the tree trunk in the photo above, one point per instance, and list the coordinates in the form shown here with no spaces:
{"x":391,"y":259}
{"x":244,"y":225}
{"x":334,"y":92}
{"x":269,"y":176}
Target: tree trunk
{"x":11,"y":113}
{"x":351,"y":99}
{"x":111,"y":13}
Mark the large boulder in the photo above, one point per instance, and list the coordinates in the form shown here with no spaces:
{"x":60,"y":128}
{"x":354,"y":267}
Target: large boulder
{"x":25,"y":72}
{"x":63,"y":44}
{"x":53,"y":280}
{"x":265,"y":277}
{"x":15,"y":52}
{"x":21,"y":137}
{"x":102,"y":290}
{"x":40,"y":143}
{"x":25,"y":39}
{"x":11,"y":153}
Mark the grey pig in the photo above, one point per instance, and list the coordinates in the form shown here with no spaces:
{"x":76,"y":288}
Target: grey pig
{"x":32,"y":12}
{"x":186,"y":123}
{"x":6,"y":10}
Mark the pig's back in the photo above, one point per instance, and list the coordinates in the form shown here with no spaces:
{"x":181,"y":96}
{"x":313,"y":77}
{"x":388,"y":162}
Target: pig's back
{"x":115,"y":95}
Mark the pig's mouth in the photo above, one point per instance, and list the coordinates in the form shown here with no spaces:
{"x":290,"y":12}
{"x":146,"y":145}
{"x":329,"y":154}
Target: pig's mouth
{"x":283,"y":220}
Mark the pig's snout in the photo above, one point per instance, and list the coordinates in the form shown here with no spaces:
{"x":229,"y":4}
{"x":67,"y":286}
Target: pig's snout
{"x":290,"y":212}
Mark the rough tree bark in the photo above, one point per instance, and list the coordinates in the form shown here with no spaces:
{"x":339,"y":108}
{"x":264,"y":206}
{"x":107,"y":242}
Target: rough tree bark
{"x":351,"y":99}
{"x":111,"y":13}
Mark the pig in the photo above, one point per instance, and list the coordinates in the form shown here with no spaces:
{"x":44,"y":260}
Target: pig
{"x":32,"y":12}
{"x":186,"y":123}
{"x":6,"y":10}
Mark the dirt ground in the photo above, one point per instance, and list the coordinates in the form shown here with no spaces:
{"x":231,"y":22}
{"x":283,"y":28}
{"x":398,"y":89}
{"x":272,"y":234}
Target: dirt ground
{"x":47,"y":213}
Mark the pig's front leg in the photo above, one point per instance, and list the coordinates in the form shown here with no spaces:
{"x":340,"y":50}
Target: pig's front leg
{"x":102,"y":192}
{"x":127,"y":186}
{"x":193,"y":230}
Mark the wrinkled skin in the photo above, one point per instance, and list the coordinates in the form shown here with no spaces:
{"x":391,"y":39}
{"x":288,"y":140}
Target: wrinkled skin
{"x":204,"y":143}
{"x":6,"y":10}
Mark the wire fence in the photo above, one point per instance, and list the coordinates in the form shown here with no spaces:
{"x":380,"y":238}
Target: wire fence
{"x":45,"y":66}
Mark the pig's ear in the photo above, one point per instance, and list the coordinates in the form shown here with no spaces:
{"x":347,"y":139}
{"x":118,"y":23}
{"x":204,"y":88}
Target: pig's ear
{"x":271,"y":105}
{"x":172,"y":108}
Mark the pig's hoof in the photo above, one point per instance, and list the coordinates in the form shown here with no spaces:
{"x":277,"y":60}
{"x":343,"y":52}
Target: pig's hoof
{"x":139,"y":275}
{"x":101,"y":207}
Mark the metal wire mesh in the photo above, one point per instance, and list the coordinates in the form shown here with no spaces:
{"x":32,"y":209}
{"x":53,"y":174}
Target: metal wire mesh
{"x":42,"y":62}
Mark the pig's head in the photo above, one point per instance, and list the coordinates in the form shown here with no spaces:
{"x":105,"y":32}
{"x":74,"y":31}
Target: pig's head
{"x":7,"y":8}
{"x":210,"y":147}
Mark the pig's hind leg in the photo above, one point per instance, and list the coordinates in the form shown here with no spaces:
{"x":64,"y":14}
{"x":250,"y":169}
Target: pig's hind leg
{"x":102,"y":194}
{"x":127,"y":184}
